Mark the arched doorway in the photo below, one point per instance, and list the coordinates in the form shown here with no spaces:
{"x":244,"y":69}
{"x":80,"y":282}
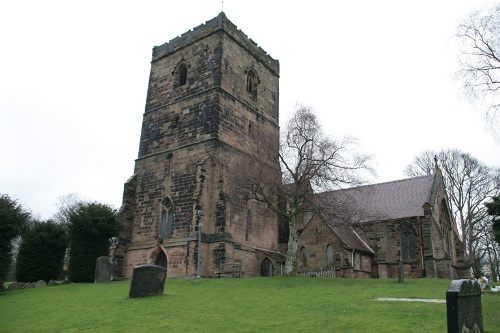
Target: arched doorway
{"x":161,"y":260}
{"x":266,"y":268}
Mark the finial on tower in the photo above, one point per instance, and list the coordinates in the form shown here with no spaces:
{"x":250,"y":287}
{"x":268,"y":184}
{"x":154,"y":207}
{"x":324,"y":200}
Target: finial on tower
{"x":435,"y":162}
{"x":222,"y":6}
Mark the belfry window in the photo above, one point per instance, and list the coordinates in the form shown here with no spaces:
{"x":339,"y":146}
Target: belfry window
{"x":181,"y":75}
{"x":252,"y":82}
{"x":408,"y":246}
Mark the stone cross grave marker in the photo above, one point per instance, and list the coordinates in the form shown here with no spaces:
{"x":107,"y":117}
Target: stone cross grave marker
{"x":463,"y":307}
{"x":102,"y":270}
{"x":147,"y":280}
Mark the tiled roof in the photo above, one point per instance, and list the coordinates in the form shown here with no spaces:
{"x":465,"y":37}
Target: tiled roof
{"x":349,"y":237}
{"x":385,"y":201}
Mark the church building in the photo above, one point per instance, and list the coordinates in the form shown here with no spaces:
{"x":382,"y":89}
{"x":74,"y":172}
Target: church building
{"x":213,"y":96}
{"x":399,"y":225}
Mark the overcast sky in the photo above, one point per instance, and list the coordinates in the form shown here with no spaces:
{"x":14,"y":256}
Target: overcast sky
{"x":74,"y":75}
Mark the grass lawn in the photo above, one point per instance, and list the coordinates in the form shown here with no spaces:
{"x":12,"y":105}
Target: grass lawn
{"x":277,"y":304}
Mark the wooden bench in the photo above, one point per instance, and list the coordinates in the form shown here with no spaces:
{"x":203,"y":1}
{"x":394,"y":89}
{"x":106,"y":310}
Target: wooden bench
{"x":227,"y":268}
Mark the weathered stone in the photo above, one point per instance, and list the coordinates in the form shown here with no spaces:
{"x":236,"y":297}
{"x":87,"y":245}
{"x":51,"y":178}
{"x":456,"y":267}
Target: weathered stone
{"x":28,"y":285}
{"x":40,"y":283}
{"x":52,"y":283}
{"x":463,"y":307}
{"x":64,"y":282}
{"x":103,"y":269}
{"x":147,"y":280}
{"x":195,"y":125}
{"x":14,"y":286}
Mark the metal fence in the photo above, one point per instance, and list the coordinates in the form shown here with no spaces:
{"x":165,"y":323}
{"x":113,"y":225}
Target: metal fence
{"x":322,"y":273}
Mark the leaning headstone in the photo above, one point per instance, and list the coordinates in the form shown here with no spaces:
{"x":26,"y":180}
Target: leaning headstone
{"x":463,"y":307}
{"x":15,"y":286}
{"x":40,"y":283}
{"x":147,"y":280}
{"x":102,"y":270}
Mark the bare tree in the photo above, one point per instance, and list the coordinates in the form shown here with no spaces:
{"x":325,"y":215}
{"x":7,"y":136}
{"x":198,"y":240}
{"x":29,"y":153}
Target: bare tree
{"x":67,"y":203}
{"x":469,"y":183}
{"x":310,"y":162}
{"x":479,"y":59}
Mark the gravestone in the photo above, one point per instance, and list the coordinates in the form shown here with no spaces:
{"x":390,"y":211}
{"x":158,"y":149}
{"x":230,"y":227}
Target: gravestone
{"x":40,"y":283}
{"x":147,"y":280}
{"x":14,"y":286}
{"x":103,"y":269}
{"x":463,"y":307}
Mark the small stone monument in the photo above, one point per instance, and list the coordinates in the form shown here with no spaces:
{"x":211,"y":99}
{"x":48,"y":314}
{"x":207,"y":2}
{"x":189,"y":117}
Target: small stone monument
{"x":40,"y":283}
{"x":103,"y":269}
{"x":147,"y":280}
{"x":14,"y":286}
{"x":463,"y":307}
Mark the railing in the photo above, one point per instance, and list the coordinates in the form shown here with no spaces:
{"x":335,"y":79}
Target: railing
{"x":322,"y":273}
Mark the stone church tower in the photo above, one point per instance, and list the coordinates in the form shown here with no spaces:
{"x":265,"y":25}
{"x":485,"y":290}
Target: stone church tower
{"x":213,"y":93}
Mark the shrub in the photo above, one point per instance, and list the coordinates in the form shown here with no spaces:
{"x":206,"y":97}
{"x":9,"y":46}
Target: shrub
{"x":41,"y":252}
{"x":91,"y":227}
{"x":13,"y":220}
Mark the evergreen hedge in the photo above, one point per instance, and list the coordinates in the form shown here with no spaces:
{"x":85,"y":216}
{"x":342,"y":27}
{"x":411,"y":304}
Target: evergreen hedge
{"x":41,"y":253}
{"x":14,"y":218}
{"x":91,"y":226}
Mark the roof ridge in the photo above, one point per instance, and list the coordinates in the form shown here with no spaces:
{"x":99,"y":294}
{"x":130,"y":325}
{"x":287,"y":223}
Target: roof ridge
{"x":376,"y":184}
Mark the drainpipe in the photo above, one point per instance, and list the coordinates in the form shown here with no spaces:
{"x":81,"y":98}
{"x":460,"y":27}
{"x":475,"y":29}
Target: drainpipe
{"x":200,"y":214}
{"x":352,"y":256}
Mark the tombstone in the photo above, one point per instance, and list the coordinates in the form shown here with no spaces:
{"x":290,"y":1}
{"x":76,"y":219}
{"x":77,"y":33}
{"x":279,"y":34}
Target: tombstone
{"x":463,"y":307}
{"x":40,"y":283}
{"x":52,"y":283}
{"x":147,"y":280}
{"x":64,"y":282}
{"x":103,"y":269}
{"x":29,"y":285}
{"x":14,"y":286}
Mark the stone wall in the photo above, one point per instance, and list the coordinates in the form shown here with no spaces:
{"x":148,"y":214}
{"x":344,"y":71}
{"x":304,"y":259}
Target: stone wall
{"x":191,"y":132}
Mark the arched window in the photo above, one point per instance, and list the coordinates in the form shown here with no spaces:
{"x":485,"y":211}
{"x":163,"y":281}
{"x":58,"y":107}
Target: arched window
{"x":181,"y":75}
{"x":303,"y":252}
{"x":167,"y":219}
{"x":329,"y":256}
{"x":252,"y":83}
{"x":408,"y":244}
{"x":445,"y":226}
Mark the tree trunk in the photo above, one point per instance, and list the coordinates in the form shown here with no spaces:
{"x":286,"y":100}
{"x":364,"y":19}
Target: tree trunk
{"x":291,"y":254}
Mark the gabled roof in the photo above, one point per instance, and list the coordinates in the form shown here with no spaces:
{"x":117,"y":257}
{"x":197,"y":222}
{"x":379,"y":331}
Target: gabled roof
{"x":349,"y":237}
{"x":385,"y":201}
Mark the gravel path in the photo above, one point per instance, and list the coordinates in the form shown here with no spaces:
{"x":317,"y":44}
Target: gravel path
{"x":425,"y":300}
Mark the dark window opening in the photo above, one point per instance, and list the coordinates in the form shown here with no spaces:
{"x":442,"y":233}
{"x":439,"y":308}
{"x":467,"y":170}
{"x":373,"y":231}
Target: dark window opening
{"x":252,"y":83}
{"x":183,"y":71}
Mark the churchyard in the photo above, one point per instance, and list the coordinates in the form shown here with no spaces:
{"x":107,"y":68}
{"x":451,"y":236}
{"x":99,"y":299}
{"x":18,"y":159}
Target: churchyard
{"x":276,"y":304}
